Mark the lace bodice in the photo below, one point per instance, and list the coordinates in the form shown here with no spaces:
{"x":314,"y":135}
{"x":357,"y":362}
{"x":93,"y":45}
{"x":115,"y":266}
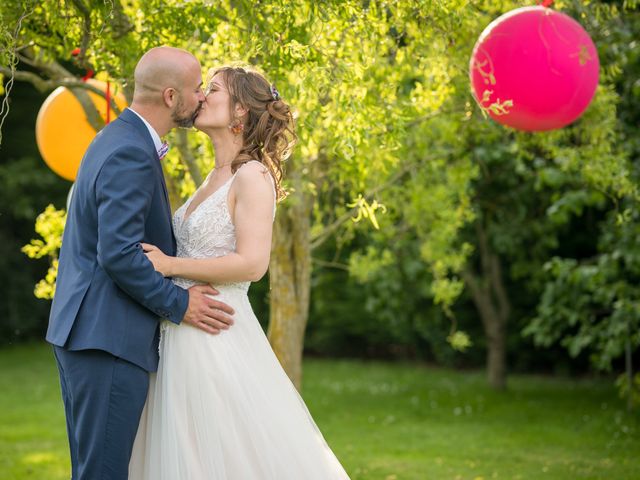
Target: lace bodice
{"x":207,"y":232}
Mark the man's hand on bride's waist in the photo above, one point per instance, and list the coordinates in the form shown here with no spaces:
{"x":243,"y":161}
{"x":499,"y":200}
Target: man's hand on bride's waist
{"x":205,"y":313}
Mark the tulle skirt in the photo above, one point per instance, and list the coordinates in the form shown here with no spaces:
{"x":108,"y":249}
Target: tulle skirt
{"x":221,"y":407}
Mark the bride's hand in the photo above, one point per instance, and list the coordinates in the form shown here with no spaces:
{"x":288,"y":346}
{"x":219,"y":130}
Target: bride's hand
{"x":160,"y":261}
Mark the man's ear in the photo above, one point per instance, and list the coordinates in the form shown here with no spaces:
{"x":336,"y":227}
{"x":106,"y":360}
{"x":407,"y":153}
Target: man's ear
{"x":169,"y":96}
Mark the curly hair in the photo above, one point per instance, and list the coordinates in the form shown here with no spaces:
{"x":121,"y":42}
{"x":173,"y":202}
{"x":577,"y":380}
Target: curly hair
{"x":269,"y":132}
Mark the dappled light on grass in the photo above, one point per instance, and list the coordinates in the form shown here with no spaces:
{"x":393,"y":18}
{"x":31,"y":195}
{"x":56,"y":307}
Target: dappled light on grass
{"x":38,"y":458}
{"x":55,"y":464}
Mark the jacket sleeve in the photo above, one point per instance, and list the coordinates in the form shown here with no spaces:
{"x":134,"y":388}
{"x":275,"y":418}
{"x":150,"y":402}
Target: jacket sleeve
{"x":124,"y":189}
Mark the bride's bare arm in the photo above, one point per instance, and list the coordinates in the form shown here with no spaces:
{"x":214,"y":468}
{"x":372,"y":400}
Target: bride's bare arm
{"x":253,"y":220}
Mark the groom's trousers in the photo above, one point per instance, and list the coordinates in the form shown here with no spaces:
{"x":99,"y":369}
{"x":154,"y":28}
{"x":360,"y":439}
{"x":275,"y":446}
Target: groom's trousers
{"x":103,"y":399}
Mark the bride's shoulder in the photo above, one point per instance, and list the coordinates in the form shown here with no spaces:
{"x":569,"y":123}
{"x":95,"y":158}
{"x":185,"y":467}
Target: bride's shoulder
{"x":252,"y":168}
{"x":253,"y":174}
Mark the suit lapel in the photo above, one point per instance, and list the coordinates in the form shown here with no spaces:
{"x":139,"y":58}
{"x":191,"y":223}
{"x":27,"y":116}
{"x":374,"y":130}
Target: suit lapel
{"x":167,"y":204}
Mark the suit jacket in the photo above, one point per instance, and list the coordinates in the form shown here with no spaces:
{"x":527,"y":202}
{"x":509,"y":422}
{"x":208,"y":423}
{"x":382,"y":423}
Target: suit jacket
{"x":108,"y":295}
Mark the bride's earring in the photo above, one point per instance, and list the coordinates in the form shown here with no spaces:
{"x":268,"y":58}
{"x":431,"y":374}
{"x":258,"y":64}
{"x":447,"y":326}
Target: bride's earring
{"x":236,"y":126}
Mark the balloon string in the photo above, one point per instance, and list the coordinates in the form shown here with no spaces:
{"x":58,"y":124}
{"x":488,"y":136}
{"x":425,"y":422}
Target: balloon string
{"x":107,"y":97}
{"x":88,"y":75}
{"x":546,"y":3}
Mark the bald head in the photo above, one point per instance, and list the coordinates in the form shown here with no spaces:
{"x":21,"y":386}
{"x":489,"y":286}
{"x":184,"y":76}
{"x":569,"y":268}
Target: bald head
{"x":161,"y":68}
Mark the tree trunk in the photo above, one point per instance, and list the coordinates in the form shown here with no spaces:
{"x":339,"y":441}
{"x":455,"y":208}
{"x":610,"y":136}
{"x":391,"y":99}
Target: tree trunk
{"x":290,"y":281}
{"x":496,"y":352}
{"x":490,"y":298}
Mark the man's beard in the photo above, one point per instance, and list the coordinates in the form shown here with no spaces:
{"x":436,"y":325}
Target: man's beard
{"x":180,"y":118}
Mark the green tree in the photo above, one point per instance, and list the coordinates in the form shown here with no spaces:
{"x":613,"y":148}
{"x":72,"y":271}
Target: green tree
{"x":525,"y":189}
{"x":532,"y":188}
{"x":350,"y":70}
{"x":590,"y":303}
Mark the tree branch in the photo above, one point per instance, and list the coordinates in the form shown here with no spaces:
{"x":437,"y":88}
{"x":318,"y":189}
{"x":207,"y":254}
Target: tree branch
{"x":330,"y":229}
{"x":35,"y":80}
{"x":12,"y":62}
{"x":324,"y":263}
{"x":86,"y":31}
{"x":483,"y":246}
{"x":121,"y":23}
{"x":417,"y":121}
{"x":49,"y":67}
{"x":72,"y":83}
{"x":90,"y":110}
{"x":474,"y":285}
{"x":481,"y":299}
{"x":504,"y":306}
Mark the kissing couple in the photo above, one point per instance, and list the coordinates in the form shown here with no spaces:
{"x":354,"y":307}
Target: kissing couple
{"x":165,"y":371}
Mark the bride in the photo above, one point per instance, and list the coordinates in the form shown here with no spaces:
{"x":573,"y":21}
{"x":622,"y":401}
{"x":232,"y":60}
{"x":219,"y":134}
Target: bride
{"x":221,"y":406}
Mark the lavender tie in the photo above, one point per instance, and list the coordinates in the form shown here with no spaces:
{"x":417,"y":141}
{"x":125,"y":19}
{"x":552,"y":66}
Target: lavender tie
{"x":162,"y":151}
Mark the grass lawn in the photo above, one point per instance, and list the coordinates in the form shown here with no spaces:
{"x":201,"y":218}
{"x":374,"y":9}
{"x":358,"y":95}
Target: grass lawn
{"x":384,"y":421}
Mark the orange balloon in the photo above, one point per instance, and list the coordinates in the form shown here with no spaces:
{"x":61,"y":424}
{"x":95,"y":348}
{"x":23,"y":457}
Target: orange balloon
{"x":63,"y":132}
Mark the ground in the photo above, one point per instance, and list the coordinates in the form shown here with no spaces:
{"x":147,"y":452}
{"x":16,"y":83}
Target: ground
{"x":384,"y":422}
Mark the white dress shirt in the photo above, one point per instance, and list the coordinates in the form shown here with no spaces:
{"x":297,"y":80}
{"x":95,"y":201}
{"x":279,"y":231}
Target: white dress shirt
{"x":154,"y":135}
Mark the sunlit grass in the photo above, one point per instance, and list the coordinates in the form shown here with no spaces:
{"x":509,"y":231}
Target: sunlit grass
{"x":384,"y":421}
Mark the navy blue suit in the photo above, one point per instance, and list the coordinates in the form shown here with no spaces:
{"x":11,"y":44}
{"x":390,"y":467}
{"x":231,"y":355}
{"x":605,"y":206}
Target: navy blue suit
{"x":105,"y":314}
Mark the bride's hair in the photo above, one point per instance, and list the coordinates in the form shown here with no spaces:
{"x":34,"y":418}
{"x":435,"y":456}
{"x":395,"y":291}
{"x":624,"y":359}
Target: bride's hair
{"x":268,"y":135}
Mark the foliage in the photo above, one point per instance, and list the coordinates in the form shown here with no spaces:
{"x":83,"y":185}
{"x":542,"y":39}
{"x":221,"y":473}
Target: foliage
{"x":368,"y":71}
{"x":594,"y":303}
{"x":26,"y":187}
{"x":590,"y":302}
{"x":629,"y":388}
{"x":536,"y":195}
{"x":385,"y":315}
{"x":49,"y":225}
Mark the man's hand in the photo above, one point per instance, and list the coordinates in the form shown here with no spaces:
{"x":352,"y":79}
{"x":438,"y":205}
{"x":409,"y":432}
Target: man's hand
{"x":205,"y":313}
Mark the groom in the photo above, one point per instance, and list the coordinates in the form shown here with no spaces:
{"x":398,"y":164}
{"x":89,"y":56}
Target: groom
{"x":109,"y":299}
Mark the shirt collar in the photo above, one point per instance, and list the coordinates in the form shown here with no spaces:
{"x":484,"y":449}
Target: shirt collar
{"x":154,"y":135}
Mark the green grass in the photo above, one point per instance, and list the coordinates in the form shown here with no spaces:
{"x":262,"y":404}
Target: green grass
{"x":384,"y":421}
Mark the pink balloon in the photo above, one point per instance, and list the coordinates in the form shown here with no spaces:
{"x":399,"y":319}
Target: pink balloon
{"x":534,"y":69}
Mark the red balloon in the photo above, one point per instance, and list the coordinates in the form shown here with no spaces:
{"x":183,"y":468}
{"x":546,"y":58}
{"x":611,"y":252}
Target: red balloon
{"x":534,"y":69}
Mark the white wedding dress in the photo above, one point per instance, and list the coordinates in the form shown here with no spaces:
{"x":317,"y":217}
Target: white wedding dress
{"x":221,"y":407}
